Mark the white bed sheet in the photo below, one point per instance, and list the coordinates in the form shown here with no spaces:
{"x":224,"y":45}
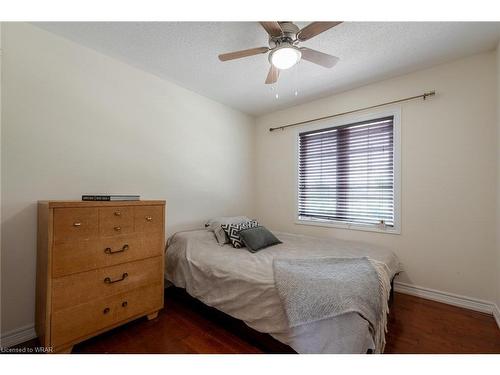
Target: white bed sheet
{"x":241,"y":284}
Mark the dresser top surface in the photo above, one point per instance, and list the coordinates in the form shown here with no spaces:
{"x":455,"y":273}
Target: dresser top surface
{"x":78,"y":203}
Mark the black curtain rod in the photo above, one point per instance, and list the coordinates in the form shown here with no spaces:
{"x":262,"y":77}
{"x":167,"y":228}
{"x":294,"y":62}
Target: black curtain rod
{"x":423,"y":96}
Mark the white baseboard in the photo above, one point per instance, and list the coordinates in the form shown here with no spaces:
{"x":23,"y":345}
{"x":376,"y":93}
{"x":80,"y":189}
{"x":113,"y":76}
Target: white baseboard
{"x":449,"y":299}
{"x":496,"y":314}
{"x":17,"y":336}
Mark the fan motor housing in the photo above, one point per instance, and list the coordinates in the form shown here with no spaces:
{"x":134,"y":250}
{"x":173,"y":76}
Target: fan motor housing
{"x":290,"y":31}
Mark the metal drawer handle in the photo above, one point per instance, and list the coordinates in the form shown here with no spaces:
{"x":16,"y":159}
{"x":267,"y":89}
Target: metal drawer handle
{"x":106,"y":310}
{"x":118,"y":229}
{"x":77,"y":224}
{"x":149,"y":218}
{"x":108,"y":280}
{"x":118,"y":213}
{"x":108,"y":250}
{"x":124,"y":304}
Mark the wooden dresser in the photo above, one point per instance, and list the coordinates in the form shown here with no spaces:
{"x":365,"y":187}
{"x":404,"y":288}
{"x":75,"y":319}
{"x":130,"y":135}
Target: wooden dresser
{"x":99,"y":265}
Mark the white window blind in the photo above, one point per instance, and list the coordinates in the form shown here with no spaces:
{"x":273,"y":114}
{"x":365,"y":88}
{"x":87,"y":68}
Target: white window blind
{"x":346,"y":173}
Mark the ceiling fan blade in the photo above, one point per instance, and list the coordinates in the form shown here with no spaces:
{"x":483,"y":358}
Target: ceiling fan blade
{"x":314,"y":29}
{"x":317,"y":57}
{"x":242,"y":53}
{"x":272,"y":28}
{"x":272,"y":76}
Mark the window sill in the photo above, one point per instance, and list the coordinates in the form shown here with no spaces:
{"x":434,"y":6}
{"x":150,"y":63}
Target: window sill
{"x":340,"y":225}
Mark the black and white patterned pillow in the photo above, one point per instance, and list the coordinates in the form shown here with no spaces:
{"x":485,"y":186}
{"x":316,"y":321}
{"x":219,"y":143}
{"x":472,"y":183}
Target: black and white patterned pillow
{"x":233,"y":232}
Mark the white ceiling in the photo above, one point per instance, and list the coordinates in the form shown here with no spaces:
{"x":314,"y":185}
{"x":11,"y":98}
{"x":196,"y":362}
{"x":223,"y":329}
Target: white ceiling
{"x":186,"y":53}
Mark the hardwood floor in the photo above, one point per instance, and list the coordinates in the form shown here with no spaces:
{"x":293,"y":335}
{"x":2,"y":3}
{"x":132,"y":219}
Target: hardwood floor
{"x":187,"y":326}
{"x":418,"y":325}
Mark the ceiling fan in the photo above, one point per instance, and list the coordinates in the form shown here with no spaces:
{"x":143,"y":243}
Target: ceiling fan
{"x":284,"y":50}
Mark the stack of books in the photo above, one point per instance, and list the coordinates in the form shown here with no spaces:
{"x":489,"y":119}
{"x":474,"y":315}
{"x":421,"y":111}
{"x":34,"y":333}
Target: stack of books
{"x":110,"y":197}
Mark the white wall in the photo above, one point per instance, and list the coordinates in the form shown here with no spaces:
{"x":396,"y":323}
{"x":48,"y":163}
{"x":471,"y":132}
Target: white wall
{"x":498,"y":183}
{"x":449,"y":152}
{"x":75,"y":121}
{"x":1,"y":53}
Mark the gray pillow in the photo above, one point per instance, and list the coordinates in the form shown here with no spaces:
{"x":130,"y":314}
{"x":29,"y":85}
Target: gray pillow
{"x":258,"y":238}
{"x":233,"y":232}
{"x":215,"y":226}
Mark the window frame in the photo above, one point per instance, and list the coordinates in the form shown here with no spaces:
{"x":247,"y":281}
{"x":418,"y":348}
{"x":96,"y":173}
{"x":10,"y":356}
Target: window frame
{"x":394,"y":111}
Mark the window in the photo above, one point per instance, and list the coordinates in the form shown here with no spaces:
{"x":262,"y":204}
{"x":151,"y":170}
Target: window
{"x":347,"y":175}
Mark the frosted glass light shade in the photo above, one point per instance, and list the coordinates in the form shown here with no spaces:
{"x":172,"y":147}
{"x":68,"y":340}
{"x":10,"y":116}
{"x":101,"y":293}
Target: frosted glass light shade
{"x":285,"y":57}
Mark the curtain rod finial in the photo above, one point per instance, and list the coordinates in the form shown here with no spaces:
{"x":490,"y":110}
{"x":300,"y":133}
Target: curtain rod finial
{"x":279,"y":128}
{"x":429,"y":93}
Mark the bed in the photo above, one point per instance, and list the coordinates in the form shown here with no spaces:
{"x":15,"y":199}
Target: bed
{"x":241,"y":284}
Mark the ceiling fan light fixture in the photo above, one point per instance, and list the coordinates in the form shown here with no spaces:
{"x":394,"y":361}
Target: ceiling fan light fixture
{"x":284,"y":57}
{"x":283,"y":50}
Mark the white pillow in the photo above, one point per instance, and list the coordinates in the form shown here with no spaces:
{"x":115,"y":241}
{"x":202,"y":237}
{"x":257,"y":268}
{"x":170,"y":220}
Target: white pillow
{"x":215,"y":226}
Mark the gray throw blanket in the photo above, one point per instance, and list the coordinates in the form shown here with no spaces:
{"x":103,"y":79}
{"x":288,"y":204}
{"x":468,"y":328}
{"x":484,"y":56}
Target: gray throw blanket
{"x":320,"y":288}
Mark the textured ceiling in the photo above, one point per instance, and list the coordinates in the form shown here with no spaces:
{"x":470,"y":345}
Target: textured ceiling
{"x":186,"y":53}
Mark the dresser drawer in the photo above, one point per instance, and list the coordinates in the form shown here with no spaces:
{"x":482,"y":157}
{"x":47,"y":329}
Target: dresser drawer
{"x":86,"y":286}
{"x":114,"y":221}
{"x":148,"y":219}
{"x":72,"y":224}
{"x":80,"y":256}
{"x":79,"y":321}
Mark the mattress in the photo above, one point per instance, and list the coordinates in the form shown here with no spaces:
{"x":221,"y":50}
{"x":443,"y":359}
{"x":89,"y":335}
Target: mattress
{"x":241,"y":284}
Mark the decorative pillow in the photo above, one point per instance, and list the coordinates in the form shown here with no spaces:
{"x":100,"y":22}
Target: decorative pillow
{"x":215,"y":226}
{"x":233,"y":231}
{"x":258,"y":238}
